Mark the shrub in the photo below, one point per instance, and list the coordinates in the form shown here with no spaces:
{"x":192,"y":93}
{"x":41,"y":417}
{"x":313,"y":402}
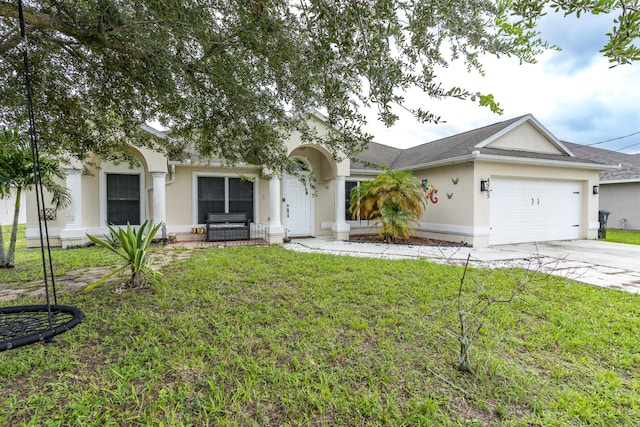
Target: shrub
{"x":132,"y":245}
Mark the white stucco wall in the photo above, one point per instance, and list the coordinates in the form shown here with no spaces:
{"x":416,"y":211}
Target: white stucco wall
{"x":526,"y":138}
{"x":452,"y":217}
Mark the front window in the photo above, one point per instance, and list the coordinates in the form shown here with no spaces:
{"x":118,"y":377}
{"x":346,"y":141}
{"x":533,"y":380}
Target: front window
{"x":224,"y":195}
{"x":241,"y":196}
{"x":348,"y":187}
{"x":123,"y":199}
{"x":210,"y":197}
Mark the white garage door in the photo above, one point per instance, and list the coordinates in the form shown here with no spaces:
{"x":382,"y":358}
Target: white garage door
{"x":534,"y":210}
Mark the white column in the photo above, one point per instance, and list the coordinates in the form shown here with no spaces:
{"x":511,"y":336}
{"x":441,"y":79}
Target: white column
{"x":276,"y":230}
{"x":159,"y":200}
{"x":340,"y":227}
{"x":74,"y":184}
{"x":73,"y":233}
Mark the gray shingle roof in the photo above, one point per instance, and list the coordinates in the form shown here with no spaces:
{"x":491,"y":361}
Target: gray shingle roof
{"x":629,"y":163}
{"x":375,"y":154}
{"x":462,"y":145}
{"x":458,"y":145}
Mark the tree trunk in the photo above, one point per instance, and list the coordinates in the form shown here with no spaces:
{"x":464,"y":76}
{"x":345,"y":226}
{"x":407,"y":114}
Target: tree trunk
{"x":464,"y":364}
{"x":10,"y":257}
{"x":137,"y":280}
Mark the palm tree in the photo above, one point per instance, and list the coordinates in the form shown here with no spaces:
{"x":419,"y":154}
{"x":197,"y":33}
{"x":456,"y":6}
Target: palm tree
{"x":395,"y":198}
{"x":16,"y":171}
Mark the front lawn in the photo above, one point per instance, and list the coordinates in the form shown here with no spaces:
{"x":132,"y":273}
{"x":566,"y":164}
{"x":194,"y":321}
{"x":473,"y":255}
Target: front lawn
{"x":265,"y":336}
{"x":29,"y":261}
{"x":631,"y":237}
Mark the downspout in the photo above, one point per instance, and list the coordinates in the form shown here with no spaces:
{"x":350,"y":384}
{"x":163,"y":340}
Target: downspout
{"x":173,"y":175}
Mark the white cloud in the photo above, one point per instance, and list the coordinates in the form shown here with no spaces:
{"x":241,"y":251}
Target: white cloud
{"x":573,"y":93}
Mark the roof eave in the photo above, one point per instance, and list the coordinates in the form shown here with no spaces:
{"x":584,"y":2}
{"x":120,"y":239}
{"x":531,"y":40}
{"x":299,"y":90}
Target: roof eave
{"x":620,"y":181}
{"x":546,"y":162}
{"x":210,"y":163}
{"x":153,"y":131}
{"x":476,"y":156}
{"x":366,"y":171}
{"x":444,"y":162}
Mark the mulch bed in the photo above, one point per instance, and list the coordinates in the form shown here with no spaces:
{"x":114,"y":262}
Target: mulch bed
{"x":412,"y":240}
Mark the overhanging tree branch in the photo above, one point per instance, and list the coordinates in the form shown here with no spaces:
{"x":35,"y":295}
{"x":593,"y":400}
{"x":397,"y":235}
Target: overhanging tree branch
{"x":89,"y":36}
{"x":233,"y":78}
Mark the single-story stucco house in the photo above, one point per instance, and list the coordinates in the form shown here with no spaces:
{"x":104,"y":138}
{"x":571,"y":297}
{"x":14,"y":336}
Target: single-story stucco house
{"x":512,"y":181}
{"x":620,"y":188}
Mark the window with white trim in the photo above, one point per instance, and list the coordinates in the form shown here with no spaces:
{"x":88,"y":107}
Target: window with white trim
{"x":123,"y":199}
{"x":348,"y":187}
{"x":218,"y":194}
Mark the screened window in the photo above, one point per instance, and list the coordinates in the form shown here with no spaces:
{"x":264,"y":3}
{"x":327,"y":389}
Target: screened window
{"x":224,"y":195}
{"x":241,"y":196}
{"x":123,"y":199}
{"x":348,"y":186}
{"x":210,"y":197}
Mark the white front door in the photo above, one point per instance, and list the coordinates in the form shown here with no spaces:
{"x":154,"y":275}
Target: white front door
{"x":524,"y":210}
{"x":297,"y":210}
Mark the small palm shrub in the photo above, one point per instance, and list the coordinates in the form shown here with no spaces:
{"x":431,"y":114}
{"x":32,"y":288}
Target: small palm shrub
{"x":395,"y":222}
{"x":395,"y":198}
{"x":132,"y":245}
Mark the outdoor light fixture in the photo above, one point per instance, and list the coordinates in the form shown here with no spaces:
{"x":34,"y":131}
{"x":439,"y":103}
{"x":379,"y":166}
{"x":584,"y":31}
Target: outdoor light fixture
{"x":484,"y":185}
{"x":596,"y":189}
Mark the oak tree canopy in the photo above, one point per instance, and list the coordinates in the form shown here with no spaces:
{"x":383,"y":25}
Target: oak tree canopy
{"x":232,"y":77}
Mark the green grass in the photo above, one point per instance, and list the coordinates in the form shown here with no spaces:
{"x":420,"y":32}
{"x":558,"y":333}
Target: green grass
{"x":21,"y":241}
{"x":631,"y":237}
{"x":28,"y":261}
{"x":265,"y":336}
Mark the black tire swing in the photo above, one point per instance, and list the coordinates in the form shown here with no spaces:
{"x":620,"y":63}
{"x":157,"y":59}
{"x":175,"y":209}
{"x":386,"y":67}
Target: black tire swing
{"x":28,"y":324}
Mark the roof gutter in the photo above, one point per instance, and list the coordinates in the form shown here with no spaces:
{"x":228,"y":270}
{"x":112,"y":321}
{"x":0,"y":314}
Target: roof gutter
{"x":210,"y":163}
{"x":620,"y":181}
{"x":547,"y":162}
{"x":367,"y":171}
{"x":477,"y":156}
{"x":444,"y":162}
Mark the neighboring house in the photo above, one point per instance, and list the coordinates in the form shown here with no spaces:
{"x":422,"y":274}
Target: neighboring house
{"x":619,"y":189}
{"x":7,"y":208}
{"x":509,"y":182}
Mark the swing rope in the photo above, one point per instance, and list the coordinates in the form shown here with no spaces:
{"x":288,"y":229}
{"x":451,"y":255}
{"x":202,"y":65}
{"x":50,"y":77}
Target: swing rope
{"x":35,"y":156}
{"x":27,"y":324}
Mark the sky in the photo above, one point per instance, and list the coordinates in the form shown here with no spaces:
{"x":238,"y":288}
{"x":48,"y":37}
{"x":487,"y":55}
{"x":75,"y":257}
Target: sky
{"x":573,"y":93}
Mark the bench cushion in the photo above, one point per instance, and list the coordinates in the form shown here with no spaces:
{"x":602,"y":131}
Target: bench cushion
{"x":226,"y":217}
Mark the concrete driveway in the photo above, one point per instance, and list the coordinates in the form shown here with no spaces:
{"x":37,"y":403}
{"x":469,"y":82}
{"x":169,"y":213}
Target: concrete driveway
{"x":599,"y":263}
{"x":595,"y":262}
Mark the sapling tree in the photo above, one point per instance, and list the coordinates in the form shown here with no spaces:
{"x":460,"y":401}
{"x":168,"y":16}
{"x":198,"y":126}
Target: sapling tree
{"x":476,"y":297}
{"x":16,"y":173}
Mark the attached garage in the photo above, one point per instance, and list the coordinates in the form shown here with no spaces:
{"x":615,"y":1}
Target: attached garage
{"x":528,"y":210}
{"x":538,"y":190}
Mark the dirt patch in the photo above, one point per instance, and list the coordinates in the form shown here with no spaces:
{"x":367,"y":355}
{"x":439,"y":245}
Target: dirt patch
{"x":78,"y":279}
{"x":411,"y":240}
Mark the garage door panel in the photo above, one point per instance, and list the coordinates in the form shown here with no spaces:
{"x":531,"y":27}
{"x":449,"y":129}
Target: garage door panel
{"x":534,"y":210}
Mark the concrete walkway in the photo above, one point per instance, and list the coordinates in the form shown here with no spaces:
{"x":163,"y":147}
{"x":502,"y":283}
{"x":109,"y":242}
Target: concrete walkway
{"x":595,"y":262}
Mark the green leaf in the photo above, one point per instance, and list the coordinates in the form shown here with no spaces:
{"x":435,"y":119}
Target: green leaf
{"x":133,"y":246}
